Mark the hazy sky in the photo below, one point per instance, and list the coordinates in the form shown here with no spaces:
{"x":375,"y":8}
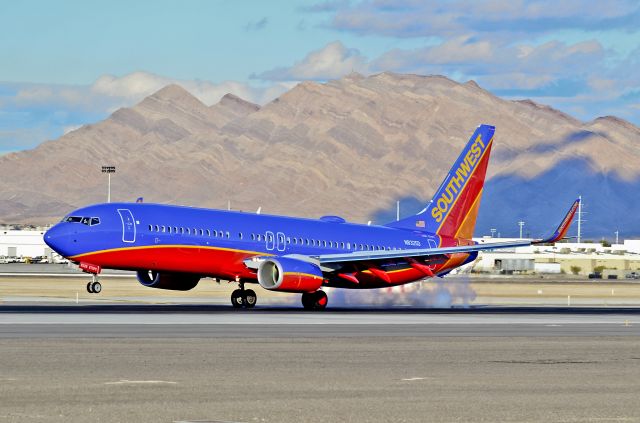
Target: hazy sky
{"x":67,"y":63}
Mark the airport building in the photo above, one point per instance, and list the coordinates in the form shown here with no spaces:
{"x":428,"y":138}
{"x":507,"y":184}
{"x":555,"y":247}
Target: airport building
{"x":568,"y":258}
{"x":23,"y":243}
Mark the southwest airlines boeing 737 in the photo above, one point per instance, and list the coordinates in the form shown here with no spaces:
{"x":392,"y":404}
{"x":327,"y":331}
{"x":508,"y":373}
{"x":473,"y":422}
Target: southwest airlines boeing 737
{"x":173,"y":247}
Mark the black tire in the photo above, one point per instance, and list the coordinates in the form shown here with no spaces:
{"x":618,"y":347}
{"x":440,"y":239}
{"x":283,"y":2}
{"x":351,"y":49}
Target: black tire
{"x":307,"y":300}
{"x":249,"y":298}
{"x":89,"y":287}
{"x":236,"y":299}
{"x":96,"y":287}
{"x":320,"y":300}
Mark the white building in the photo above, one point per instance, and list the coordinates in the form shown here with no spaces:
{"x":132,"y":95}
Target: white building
{"x":583,"y":258}
{"x":15,"y":243}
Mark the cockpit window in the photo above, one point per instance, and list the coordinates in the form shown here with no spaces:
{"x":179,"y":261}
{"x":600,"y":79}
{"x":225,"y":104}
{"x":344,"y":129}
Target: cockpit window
{"x":89,"y":221}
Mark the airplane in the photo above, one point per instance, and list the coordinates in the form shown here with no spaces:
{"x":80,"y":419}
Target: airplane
{"x":173,"y":247}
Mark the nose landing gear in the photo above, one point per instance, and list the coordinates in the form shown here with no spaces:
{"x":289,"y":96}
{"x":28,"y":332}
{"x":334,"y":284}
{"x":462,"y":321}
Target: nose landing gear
{"x":246,"y":298}
{"x":94,"y":287}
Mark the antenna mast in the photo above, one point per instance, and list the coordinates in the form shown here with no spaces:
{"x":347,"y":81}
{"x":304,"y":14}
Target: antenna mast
{"x":580,"y":219}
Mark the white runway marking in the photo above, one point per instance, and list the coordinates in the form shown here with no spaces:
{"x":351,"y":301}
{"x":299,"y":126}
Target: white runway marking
{"x":140,"y":382}
{"x":411,"y":379}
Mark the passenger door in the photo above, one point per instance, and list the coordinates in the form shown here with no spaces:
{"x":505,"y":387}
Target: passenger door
{"x":128,"y":225}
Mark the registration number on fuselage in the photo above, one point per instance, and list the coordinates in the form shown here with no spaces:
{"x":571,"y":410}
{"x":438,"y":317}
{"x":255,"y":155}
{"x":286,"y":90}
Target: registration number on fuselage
{"x":412,"y":243}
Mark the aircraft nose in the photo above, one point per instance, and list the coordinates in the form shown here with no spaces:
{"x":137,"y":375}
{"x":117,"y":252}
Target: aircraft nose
{"x":56,"y":238}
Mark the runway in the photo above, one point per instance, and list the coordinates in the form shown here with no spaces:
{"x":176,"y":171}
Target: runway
{"x":190,"y":362}
{"x":222,"y":321}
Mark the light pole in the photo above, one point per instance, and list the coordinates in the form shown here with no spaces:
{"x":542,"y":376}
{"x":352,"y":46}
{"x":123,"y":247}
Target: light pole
{"x":617,"y":233}
{"x":109,"y":170}
{"x":521,"y":224}
{"x":493,"y":232}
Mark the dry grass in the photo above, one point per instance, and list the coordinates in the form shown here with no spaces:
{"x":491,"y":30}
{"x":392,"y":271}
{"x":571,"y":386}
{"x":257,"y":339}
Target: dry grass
{"x":487,"y":291}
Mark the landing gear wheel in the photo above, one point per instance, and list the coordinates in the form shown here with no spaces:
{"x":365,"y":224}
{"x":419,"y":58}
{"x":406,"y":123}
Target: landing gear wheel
{"x":237,"y":300}
{"x":96,"y":287}
{"x":89,"y":287}
{"x":307,"y":300}
{"x":314,"y":300}
{"x":321,"y":300}
{"x":249,"y":298}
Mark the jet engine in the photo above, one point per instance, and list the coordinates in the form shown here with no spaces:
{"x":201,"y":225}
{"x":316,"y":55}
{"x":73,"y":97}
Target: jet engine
{"x":172,"y":281}
{"x":289,"y":275}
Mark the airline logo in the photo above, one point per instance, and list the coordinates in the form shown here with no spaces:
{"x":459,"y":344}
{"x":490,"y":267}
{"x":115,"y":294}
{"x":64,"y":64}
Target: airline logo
{"x":457,"y":180}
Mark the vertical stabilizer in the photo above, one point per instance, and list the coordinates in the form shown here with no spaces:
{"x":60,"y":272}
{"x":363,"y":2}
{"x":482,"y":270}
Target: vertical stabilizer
{"x":454,"y":208}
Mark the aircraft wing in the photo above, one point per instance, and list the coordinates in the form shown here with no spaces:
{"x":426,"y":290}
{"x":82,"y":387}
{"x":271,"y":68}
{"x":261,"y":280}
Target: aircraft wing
{"x":426,"y":252}
{"x":415,"y":252}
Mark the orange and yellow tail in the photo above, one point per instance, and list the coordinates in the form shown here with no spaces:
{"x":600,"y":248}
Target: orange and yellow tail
{"x":454,"y":208}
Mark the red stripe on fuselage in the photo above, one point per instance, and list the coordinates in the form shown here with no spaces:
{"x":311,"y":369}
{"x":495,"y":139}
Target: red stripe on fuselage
{"x":228,"y":264}
{"x":206,"y":261}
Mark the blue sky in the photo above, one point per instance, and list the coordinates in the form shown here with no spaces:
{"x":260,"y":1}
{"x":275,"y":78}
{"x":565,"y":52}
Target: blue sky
{"x":68,"y":63}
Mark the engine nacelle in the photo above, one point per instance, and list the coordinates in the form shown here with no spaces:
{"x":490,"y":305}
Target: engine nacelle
{"x":289,"y":275}
{"x":172,"y":281}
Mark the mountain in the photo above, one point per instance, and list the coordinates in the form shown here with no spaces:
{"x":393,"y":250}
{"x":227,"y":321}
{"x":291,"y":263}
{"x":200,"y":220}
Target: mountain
{"x":351,"y":146}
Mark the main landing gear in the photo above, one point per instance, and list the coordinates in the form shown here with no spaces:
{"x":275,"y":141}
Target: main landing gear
{"x":314,"y":300}
{"x":246,"y":298}
{"x":94,"y":287}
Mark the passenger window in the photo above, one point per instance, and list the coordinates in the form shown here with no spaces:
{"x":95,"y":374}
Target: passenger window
{"x":169,"y":229}
{"x":188,"y":231}
{"x":259,"y":237}
{"x":228,"y":235}
{"x":342,"y":245}
{"x":240,"y":235}
{"x":208,"y":232}
{"x":157,"y":228}
{"x":163,"y":228}
{"x":150,"y":228}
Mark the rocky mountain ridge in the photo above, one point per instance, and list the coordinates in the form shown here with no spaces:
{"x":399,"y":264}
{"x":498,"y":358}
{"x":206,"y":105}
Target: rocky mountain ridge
{"x":351,"y":146}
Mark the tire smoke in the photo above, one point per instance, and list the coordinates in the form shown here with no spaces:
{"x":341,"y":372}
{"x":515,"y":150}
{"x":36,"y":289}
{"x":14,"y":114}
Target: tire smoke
{"x":438,"y":293}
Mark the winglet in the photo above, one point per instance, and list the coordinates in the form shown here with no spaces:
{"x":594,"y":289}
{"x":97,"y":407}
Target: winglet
{"x":564,"y":226}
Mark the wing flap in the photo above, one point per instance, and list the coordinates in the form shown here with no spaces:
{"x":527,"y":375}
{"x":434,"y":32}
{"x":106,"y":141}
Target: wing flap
{"x":407,"y":253}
